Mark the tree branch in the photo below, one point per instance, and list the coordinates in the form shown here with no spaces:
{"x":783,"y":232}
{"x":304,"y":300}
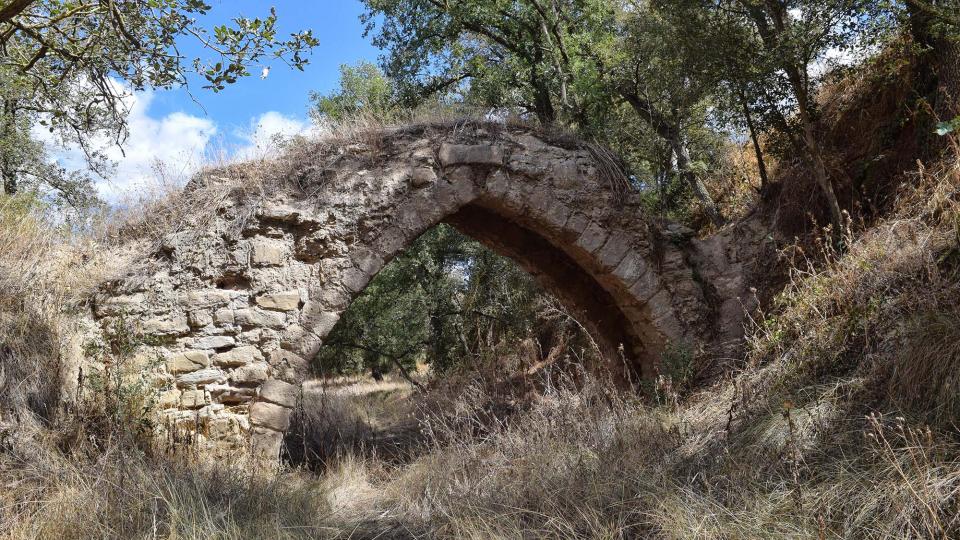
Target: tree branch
{"x":394,"y":359}
{"x":14,"y":8}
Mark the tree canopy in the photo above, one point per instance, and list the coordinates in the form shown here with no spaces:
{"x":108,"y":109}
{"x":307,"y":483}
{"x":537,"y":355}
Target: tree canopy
{"x":444,"y":301}
{"x":67,"y":65}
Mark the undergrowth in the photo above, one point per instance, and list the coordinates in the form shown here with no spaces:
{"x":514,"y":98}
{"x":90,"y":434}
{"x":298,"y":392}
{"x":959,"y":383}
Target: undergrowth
{"x":840,"y":421}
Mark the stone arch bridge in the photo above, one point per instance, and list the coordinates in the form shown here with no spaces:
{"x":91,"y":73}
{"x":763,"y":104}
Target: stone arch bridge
{"x":232,"y":307}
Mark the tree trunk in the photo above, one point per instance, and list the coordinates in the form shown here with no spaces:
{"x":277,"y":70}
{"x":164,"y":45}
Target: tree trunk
{"x":542,"y":102}
{"x":699,"y":189}
{"x":820,"y":173}
{"x":797,"y":71}
{"x":9,"y":180}
{"x":946,"y":68}
{"x":814,"y":150}
{"x":936,"y":74}
{"x":6,"y":166}
{"x":761,"y":164}
{"x":13,"y":9}
{"x":826,"y":184}
{"x":670,"y":132}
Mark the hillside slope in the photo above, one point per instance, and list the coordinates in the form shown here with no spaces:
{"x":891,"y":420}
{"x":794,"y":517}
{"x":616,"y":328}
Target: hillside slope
{"x":839,"y":420}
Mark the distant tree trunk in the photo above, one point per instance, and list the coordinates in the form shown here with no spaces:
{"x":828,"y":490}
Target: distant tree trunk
{"x":686,"y":172}
{"x":672,"y":134}
{"x":6,"y":163}
{"x":9,"y":178}
{"x":542,"y":102}
{"x":761,"y":164}
{"x":796,"y":70}
{"x":814,"y":149}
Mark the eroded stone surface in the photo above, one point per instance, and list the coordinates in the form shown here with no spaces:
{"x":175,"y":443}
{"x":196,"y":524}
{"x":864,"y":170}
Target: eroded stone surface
{"x":279,"y":392}
{"x":214,"y":342}
{"x":239,"y":356}
{"x":270,"y":415}
{"x":282,"y":301}
{"x":188,"y":361}
{"x":201,"y":377}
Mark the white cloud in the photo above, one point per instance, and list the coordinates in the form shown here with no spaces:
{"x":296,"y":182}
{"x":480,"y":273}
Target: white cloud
{"x":170,"y":149}
{"x":261,"y":135}
{"x":175,"y":143}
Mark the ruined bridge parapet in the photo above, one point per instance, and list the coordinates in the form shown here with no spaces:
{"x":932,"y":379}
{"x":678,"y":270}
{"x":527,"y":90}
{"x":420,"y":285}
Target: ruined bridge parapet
{"x":236,"y":304}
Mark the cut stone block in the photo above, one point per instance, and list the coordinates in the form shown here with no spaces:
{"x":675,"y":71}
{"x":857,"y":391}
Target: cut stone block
{"x":288,"y":366}
{"x":202,"y":377}
{"x":318,"y":320}
{"x":175,"y":325}
{"x":238,"y":357}
{"x":279,"y":392}
{"x":592,"y":237}
{"x":630,"y":269}
{"x":265,"y":444}
{"x":270,"y":415}
{"x":193,"y":399}
{"x":614,"y":251}
{"x":214,"y":342}
{"x":422,"y":177}
{"x":281,"y":301}
{"x":231,"y":395}
{"x":253,"y":373}
{"x":200,"y":318}
{"x":186,"y":362}
{"x":268,"y":252}
{"x":223,"y":316}
{"x":206,"y":298}
{"x":260,"y":317}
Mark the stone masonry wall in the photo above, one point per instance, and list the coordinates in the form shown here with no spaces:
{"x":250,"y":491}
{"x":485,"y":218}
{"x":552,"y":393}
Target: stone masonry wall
{"x":232,"y":310}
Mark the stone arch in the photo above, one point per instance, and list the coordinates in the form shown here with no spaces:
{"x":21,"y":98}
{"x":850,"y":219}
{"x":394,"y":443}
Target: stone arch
{"x":239,"y":305}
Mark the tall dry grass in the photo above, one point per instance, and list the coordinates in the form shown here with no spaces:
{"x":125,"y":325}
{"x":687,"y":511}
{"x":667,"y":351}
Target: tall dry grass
{"x":122,"y":494}
{"x":42,"y":273}
{"x":841,"y":422}
{"x":580,"y":462}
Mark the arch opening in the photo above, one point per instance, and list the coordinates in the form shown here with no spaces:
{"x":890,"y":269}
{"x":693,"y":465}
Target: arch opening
{"x":487,"y":278}
{"x":358,"y":359}
{"x":238,"y":315}
{"x":565,"y":279}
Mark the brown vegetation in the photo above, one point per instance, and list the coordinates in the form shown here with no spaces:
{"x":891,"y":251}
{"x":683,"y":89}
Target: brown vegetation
{"x":840,"y":421}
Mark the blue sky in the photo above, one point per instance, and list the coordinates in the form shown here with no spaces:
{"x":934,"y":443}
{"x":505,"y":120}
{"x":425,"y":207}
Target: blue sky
{"x":335,"y":23}
{"x":171,"y":132}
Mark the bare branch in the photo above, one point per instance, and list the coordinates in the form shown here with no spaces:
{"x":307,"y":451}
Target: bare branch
{"x":14,"y":8}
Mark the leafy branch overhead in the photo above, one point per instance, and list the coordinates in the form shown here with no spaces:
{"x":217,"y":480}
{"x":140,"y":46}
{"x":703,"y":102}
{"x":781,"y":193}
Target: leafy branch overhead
{"x":248,"y":42}
{"x":68,"y":64}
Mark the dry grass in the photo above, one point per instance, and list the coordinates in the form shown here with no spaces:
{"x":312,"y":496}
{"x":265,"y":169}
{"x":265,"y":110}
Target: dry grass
{"x":351,"y":418}
{"x":580,"y":463}
{"x":45,"y":271}
{"x":120,"y":494}
{"x":841,"y":422}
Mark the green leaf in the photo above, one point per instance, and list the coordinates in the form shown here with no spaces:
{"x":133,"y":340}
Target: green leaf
{"x":945,"y":128}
